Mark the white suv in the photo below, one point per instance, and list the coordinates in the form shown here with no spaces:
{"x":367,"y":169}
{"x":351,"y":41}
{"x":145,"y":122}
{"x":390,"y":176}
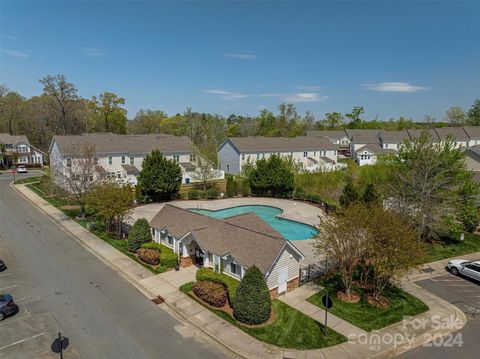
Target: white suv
{"x":464,"y":267}
{"x":22,"y":169}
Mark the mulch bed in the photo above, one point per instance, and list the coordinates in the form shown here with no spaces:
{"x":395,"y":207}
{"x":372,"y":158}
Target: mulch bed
{"x":353,"y":297}
{"x":382,"y":302}
{"x":70,"y":208}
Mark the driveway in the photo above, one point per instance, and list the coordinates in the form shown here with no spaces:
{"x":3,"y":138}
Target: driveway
{"x":294,"y":210}
{"x":465,"y":294}
{"x":68,"y":289}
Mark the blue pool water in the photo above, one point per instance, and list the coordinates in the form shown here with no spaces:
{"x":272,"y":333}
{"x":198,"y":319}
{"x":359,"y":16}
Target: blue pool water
{"x":290,"y":230}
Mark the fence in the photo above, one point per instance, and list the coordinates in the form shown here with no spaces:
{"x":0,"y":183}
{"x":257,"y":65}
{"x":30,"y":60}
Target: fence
{"x":310,"y":272}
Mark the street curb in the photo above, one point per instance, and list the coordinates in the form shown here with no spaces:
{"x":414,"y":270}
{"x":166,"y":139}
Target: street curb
{"x":386,"y":353}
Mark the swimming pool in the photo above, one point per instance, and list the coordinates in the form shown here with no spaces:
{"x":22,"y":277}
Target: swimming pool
{"x":290,"y":230}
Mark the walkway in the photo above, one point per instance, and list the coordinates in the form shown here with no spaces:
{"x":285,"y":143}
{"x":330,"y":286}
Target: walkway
{"x":361,"y":344}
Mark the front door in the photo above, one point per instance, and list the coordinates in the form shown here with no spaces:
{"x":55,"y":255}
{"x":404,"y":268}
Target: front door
{"x":199,"y":257}
{"x":282,"y":280}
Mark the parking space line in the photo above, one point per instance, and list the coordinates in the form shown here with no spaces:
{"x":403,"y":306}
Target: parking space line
{"x":21,"y":341}
{"x":4,"y":275}
{"x":10,"y":286}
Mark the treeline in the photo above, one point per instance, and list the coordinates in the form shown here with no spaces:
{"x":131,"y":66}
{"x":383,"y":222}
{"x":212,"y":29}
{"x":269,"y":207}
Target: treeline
{"x":61,"y":110}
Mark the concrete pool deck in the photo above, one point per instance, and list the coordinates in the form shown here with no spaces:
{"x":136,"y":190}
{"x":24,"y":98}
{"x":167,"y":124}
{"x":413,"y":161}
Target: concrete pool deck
{"x":294,"y":210}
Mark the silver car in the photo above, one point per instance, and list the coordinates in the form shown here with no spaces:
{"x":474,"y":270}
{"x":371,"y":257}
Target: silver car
{"x":467,"y":268}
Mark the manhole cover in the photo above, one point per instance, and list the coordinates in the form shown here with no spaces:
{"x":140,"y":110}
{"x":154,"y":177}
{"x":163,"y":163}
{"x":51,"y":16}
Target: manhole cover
{"x":158,"y":300}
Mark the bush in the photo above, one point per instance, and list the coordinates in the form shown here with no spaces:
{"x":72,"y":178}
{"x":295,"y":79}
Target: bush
{"x":232,"y":284}
{"x":149,"y":256}
{"x":212,"y":193}
{"x":139,"y":234}
{"x":252,"y":304}
{"x":193,"y":194}
{"x":245,"y":188}
{"x":168,"y":258}
{"x":213,"y":293}
{"x":153,"y":245}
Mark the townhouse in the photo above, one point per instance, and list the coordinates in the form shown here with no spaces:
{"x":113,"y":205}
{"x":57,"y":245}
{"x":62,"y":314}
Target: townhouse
{"x":229,"y":245}
{"x":17,"y":150}
{"x":313,"y":153}
{"x":120,"y":157}
{"x":337,"y":137}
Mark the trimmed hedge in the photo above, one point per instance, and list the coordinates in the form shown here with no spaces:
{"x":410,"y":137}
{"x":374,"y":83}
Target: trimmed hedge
{"x":193,"y":194}
{"x":153,"y":245}
{"x":204,"y":274}
{"x":150,"y":256}
{"x":252,"y":303}
{"x":139,"y":234}
{"x":168,"y":258}
{"x":212,"y":193}
{"x":213,"y":293}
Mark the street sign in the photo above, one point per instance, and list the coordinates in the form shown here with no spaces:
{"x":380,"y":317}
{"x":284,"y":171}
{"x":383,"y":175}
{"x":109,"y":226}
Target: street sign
{"x":60,"y":344}
{"x":327,"y":301}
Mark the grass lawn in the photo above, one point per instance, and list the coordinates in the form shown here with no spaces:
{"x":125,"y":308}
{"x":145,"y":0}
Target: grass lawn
{"x":452,"y":248}
{"x":27,"y":180}
{"x":366,"y":316}
{"x":290,"y":329}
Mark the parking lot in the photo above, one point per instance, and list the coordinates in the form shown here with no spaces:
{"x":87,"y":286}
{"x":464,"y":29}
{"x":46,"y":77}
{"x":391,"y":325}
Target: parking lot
{"x":465,"y":294}
{"x":30,"y":332}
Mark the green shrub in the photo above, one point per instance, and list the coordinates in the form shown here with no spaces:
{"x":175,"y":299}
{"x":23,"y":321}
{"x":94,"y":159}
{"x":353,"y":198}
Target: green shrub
{"x":149,"y":256}
{"x":139,"y":234}
{"x":212,"y":193}
{"x":232,"y":284}
{"x":213,"y":293}
{"x":193,"y":194}
{"x":153,"y":245}
{"x":168,"y":258}
{"x":230,"y":190}
{"x":252,"y":304}
{"x":245,"y":188}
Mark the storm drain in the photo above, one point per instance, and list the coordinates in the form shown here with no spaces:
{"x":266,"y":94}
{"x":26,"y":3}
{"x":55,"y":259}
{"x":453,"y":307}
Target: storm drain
{"x":428,"y":270}
{"x":158,"y":300}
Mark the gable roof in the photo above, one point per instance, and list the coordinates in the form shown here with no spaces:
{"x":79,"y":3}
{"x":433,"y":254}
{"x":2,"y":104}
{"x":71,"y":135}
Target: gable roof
{"x":8,"y":139}
{"x":458,"y":133}
{"x":416,"y":133}
{"x":113,"y":143}
{"x":473,"y":132}
{"x":331,"y":134}
{"x":363,"y":136}
{"x":280,"y":144}
{"x":394,"y":136}
{"x":255,"y":245}
{"x":376,"y":149}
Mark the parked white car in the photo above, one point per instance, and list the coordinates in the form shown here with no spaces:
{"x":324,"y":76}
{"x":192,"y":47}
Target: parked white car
{"x":22,"y":169}
{"x":464,"y":267}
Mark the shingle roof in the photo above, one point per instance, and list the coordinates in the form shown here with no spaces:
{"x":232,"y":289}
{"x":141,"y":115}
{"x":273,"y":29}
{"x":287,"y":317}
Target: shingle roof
{"x":473,"y":132}
{"x":246,"y":238}
{"x":418,"y":132}
{"x":113,"y":143}
{"x":8,"y":139}
{"x":458,"y":133}
{"x":131,"y":169}
{"x":394,"y":136}
{"x":278,"y":144}
{"x":363,"y":136}
{"x":376,"y":149}
{"x":331,"y":134}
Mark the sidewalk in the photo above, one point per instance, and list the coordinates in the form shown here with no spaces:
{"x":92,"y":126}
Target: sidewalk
{"x":166,"y":286}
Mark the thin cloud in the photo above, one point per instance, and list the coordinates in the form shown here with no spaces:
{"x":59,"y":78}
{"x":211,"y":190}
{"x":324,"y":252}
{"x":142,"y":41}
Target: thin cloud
{"x":14,"y":53}
{"x":9,"y":37}
{"x":309,"y":87}
{"x":91,"y":52}
{"x":394,"y":87}
{"x":298,"y":97}
{"x":241,"y":56}
{"x":227,"y":95}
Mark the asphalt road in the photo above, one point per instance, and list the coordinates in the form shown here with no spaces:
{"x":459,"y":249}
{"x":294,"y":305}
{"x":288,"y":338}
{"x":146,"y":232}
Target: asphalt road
{"x":465,"y":294}
{"x":65,"y":287}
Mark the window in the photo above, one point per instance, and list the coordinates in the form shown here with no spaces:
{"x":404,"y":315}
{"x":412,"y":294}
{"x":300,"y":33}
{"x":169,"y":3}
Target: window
{"x":234,"y":269}
{"x":192,"y":157}
{"x":314,"y":153}
{"x":170,"y":240}
{"x":132,"y":161}
{"x":243,"y":157}
{"x":95,"y":161}
{"x":69,"y":162}
{"x":258,"y":156}
{"x":176,"y":158}
{"x":305,"y":154}
{"x":386,"y":145}
{"x":123,"y":160}
{"x":228,"y":168}
{"x":109,"y":160}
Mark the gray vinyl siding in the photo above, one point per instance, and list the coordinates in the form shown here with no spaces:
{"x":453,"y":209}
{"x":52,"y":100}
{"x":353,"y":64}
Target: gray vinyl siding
{"x":227,"y":155}
{"x":226,"y":268}
{"x":283,"y":261}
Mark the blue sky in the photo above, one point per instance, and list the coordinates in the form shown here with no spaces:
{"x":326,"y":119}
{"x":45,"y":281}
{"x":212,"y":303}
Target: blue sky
{"x":394,"y":58}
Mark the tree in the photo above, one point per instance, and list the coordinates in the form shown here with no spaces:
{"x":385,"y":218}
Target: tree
{"x":108,"y":107}
{"x":271,"y":177}
{"x":333,"y":120}
{"x":426,"y":179}
{"x":77,"y":174}
{"x":354,"y":116}
{"x":370,"y":195}
{"x":64,"y":95}
{"x":159,"y":178}
{"x":349,"y":195}
{"x":204,"y":169}
{"x":112,"y":202}
{"x":394,"y":248}
{"x":139,"y":234}
{"x":455,"y":116}
{"x":252,"y":304}
{"x":473,"y":116}
{"x":342,"y":239}
{"x":147,"y":121}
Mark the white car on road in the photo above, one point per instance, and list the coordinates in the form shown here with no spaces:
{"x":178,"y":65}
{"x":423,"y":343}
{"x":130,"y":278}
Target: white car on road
{"x":467,"y":268}
{"x":22,"y":169}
